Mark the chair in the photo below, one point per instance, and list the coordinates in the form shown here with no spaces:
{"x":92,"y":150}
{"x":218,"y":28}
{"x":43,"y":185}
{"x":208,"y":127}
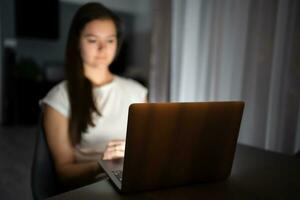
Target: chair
{"x":44,"y":182}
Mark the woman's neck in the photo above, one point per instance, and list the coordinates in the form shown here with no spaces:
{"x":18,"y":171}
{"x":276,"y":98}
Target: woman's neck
{"x":98,"y":77}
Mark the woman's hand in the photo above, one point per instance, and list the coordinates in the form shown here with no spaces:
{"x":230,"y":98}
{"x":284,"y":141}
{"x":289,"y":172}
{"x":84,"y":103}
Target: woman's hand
{"x":114,"y":149}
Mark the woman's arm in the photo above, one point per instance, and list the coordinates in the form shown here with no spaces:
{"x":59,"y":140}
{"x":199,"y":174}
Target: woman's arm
{"x":69,"y":172}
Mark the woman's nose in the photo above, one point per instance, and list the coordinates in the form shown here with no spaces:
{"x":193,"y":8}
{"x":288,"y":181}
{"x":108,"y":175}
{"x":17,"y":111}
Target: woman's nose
{"x":101,"y":46}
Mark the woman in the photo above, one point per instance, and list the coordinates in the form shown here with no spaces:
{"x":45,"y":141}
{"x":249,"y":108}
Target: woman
{"x":85,"y":116}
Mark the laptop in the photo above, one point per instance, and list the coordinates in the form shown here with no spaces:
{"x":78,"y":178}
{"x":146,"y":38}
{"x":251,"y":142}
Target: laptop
{"x":173,"y":144}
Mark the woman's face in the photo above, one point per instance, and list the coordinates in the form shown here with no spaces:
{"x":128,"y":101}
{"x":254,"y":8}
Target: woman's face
{"x":98,"y":43}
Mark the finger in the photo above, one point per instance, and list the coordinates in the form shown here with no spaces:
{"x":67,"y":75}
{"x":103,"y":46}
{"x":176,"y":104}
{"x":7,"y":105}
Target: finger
{"x":117,"y":154}
{"x":109,"y":150}
{"x":116,"y":142}
{"x":115,"y":148}
{"x":107,"y":156}
{"x":120,"y":147}
{"x":113,"y":155}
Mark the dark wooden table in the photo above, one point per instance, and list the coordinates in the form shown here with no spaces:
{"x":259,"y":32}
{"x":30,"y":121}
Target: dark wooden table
{"x":256,"y":174}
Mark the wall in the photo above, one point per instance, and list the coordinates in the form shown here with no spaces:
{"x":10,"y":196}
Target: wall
{"x":45,"y":52}
{"x":49,"y":53}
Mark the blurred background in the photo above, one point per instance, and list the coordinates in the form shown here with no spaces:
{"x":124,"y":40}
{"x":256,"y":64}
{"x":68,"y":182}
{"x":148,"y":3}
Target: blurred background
{"x":182,"y":50}
{"x":34,"y":35}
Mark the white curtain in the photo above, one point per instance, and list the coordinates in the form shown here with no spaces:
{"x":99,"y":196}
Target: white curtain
{"x":242,"y":50}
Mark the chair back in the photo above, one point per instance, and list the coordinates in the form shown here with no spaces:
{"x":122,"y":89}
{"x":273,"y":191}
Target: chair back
{"x":44,"y":182}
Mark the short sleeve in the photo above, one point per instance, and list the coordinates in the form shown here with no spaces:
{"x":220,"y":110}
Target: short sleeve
{"x":143,"y":92}
{"x":58,"y":99}
{"x":138,"y":89}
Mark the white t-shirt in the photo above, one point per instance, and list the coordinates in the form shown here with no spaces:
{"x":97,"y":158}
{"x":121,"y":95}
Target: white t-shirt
{"x":112,"y":100}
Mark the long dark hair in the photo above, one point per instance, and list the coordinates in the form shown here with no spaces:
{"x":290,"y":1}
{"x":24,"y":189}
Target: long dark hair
{"x":82,"y":103}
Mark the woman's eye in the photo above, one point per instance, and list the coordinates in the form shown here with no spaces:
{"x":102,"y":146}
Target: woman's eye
{"x":91,"y":41}
{"x":110,"y":41}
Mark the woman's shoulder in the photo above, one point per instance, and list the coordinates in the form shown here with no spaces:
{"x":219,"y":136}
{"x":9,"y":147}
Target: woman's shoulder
{"x":59,"y":88}
{"x":57,"y":93}
{"x":62,"y":85}
{"x":132,"y":88}
{"x":57,"y":98}
{"x":129,"y":83}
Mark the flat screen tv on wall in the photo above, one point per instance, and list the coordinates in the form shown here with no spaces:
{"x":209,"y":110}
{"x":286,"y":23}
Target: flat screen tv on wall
{"x":37,"y":19}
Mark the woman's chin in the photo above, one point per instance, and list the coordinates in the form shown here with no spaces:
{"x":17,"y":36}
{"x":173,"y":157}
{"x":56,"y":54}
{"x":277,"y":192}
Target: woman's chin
{"x":100,"y":66}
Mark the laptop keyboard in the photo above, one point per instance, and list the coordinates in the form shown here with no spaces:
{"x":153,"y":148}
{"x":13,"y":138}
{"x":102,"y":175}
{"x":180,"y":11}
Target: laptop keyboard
{"x":118,"y":174}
